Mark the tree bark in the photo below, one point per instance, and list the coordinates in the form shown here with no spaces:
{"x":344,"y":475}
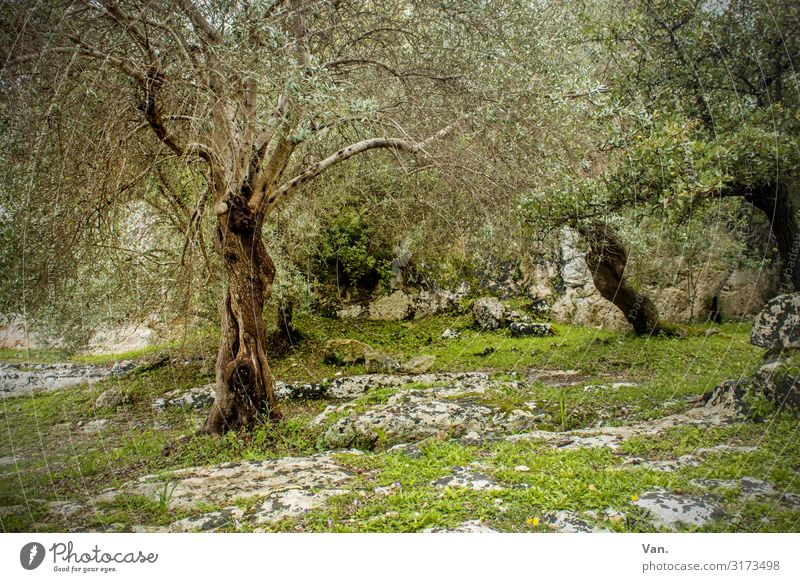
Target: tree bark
{"x":245,"y":392}
{"x":607,"y":259}
{"x":776,"y":203}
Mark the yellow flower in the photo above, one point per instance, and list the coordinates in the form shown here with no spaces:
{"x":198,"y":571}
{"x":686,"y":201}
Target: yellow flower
{"x":634,"y":498}
{"x":534,"y":521}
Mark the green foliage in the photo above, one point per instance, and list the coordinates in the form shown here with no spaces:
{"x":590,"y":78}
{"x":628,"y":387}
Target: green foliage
{"x":349,"y":254}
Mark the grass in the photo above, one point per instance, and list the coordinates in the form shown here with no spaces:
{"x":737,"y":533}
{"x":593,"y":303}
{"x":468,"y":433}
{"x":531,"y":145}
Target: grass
{"x":58,"y":461}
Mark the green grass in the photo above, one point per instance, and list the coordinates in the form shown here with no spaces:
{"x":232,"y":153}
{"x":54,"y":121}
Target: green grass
{"x":59,"y":461}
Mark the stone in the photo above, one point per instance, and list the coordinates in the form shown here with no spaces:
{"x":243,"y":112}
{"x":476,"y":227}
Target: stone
{"x":347,"y":351}
{"x":378,"y":363}
{"x":208,"y":522}
{"x":396,"y":306}
{"x":473,"y":526}
{"x":111,"y":399}
{"x":777,"y":326}
{"x":450,"y":334}
{"x":728,"y":398}
{"x":319,"y":474}
{"x":779,"y":381}
{"x":351,"y":312}
{"x":489,"y":313}
{"x":465,"y":478}
{"x":672,"y":510}
{"x":20,"y":379}
{"x":414,"y":414}
{"x":419,"y":364}
{"x":94,"y":426}
{"x":530,"y":329}
{"x":569,"y":522}
{"x":197,"y":398}
{"x":432,"y":302}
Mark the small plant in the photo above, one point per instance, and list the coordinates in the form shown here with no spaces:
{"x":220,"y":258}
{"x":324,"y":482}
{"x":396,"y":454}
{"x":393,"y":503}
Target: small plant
{"x":165,"y":495}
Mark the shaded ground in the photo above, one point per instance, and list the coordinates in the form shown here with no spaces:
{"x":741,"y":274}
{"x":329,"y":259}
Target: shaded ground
{"x":584,"y":431}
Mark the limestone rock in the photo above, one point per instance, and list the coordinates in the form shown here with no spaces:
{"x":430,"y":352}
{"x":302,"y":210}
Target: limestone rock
{"x":94,"y":426}
{"x":728,"y":398}
{"x":216,"y":484}
{"x":450,"y":334}
{"x":197,"y":398}
{"x":351,"y":312}
{"x":111,"y":399}
{"x":347,"y":351}
{"x":394,"y":307}
{"x":489,"y":313}
{"x":414,"y":414}
{"x":777,"y":326}
{"x":530,"y":329}
{"x":779,"y":381}
{"x":419,"y":364}
{"x":473,"y":526}
{"x":378,"y":363}
{"x":671,"y":510}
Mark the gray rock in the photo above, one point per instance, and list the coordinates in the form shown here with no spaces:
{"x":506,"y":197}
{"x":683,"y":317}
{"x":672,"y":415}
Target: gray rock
{"x":320,"y":473}
{"x":473,"y":526}
{"x":450,"y":334}
{"x":394,"y":307}
{"x":420,"y":364}
{"x":465,"y":478}
{"x":197,"y":398}
{"x":20,"y":379}
{"x":94,"y":426}
{"x":351,"y":312}
{"x":777,"y":326}
{"x":671,"y":510}
{"x":779,"y":381}
{"x":489,"y":313}
{"x":530,"y":329}
{"x":414,"y":414}
{"x":378,"y":363}
{"x":111,"y":399}
{"x":728,"y":398}
{"x":209,"y":521}
{"x":569,"y":522}
{"x":347,"y":351}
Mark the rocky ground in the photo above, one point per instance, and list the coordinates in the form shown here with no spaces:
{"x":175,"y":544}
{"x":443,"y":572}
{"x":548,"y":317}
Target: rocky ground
{"x":534,"y":448}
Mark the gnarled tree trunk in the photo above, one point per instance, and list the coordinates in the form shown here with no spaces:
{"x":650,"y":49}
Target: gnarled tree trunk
{"x":776,"y":203}
{"x":245,"y":387}
{"x":607,"y":259}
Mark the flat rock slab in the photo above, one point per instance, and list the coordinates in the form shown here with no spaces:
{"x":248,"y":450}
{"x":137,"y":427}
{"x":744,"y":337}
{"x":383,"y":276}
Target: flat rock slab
{"x":474,"y":526}
{"x":671,"y":510}
{"x":570,"y":522}
{"x":466,"y":478}
{"x":410,"y":415}
{"x":284,"y":483}
{"x":20,"y":379}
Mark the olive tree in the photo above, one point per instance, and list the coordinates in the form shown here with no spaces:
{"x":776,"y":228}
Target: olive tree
{"x":248,"y":101}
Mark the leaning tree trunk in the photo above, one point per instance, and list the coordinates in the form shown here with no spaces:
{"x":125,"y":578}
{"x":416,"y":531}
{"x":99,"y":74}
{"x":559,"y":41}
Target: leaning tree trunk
{"x":606,"y":259}
{"x":776,"y":203}
{"x":245,"y":388}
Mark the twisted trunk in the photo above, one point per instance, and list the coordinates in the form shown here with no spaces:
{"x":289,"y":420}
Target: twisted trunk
{"x":245,"y":387}
{"x":776,"y":203}
{"x":607,"y":259}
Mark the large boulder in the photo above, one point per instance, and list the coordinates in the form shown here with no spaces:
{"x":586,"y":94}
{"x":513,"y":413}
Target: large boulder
{"x":777,"y":326}
{"x":347,"y":351}
{"x":779,"y":381}
{"x":489,"y":313}
{"x":394,"y":307}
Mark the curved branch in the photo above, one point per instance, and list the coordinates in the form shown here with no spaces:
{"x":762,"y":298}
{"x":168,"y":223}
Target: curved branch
{"x":392,"y":143}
